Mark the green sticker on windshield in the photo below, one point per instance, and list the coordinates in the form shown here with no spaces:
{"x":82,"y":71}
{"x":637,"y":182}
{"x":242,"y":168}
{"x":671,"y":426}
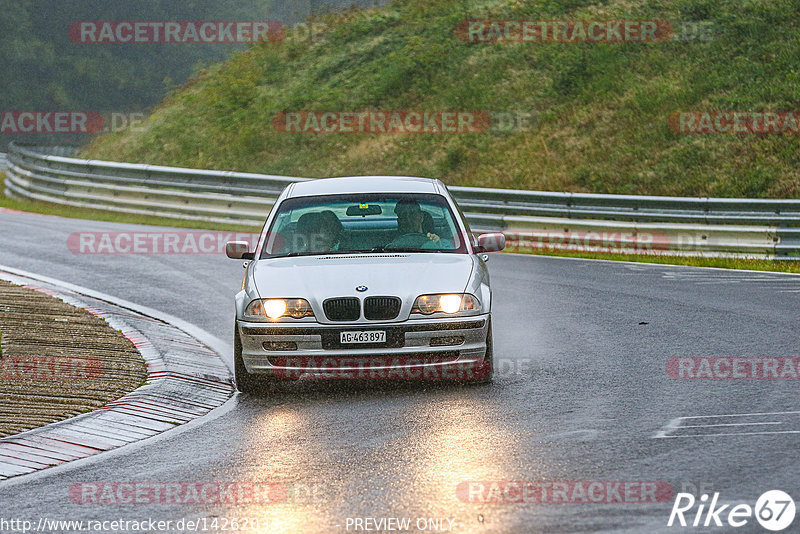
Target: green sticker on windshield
{"x":363,"y":206}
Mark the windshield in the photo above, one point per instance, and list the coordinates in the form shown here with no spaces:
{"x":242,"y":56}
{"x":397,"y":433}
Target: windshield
{"x":364,"y":223}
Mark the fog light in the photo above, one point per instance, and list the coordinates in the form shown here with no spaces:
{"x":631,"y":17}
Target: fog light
{"x":446,"y":341}
{"x":279,"y":345}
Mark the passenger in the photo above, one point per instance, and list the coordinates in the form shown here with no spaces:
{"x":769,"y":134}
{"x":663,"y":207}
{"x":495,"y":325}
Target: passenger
{"x":319,"y":232}
{"x":306,"y":227}
{"x":330,"y":231}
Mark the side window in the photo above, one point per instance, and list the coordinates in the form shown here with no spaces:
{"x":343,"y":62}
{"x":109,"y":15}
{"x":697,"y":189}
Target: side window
{"x":464,"y":220}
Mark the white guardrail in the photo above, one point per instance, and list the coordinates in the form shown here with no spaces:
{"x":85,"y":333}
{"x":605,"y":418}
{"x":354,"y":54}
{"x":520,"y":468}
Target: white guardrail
{"x":530,"y":219}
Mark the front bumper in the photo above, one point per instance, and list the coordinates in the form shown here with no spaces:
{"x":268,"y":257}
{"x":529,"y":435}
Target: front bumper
{"x":418,"y":348}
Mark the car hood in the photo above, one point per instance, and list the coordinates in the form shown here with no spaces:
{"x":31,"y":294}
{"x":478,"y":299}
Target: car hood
{"x":406,"y":275}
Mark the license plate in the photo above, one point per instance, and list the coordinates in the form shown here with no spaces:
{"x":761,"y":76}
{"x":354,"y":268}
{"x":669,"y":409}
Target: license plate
{"x":363,"y":336}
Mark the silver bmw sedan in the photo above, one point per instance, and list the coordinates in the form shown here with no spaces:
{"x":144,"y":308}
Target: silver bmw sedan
{"x":364,"y":278}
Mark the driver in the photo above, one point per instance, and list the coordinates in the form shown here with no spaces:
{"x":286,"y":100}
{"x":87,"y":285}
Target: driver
{"x":410,"y":221}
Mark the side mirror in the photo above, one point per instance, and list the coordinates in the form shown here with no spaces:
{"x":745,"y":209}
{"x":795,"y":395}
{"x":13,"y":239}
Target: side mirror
{"x":491,"y":242}
{"x":238,"y":250}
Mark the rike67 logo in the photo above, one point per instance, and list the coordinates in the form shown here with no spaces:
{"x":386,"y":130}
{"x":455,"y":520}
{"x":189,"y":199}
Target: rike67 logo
{"x":774,"y":511}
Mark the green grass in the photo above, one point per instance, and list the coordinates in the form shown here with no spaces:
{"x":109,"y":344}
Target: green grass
{"x":46,"y":208}
{"x":601,"y":108}
{"x":781,"y":266}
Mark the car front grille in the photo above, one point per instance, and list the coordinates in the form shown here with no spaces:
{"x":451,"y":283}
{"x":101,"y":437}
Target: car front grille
{"x":381,"y":308}
{"x":342,"y":309}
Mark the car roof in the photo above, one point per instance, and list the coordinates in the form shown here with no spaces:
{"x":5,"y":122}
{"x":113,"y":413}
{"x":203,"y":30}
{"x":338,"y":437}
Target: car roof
{"x":363,"y":184}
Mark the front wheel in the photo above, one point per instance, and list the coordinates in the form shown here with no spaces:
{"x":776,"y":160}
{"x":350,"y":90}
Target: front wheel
{"x":484,"y":372}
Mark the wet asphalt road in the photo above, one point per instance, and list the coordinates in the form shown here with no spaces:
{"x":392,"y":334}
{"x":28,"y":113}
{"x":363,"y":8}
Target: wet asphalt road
{"x":582,"y":391}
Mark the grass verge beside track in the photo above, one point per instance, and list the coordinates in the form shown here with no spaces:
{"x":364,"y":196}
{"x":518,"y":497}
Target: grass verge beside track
{"x":782,"y":266}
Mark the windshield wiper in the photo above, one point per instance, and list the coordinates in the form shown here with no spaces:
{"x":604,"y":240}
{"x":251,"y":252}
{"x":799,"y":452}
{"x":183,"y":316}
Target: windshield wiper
{"x":318,"y":253}
{"x":402,"y":249}
{"x":373,"y":250}
{"x":351,"y":251}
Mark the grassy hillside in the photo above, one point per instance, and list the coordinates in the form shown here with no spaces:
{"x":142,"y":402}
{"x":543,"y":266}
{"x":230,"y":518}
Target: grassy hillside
{"x":601,"y":109}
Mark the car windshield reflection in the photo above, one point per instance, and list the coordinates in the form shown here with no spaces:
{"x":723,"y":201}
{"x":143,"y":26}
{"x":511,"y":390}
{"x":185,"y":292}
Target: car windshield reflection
{"x":363,"y":224}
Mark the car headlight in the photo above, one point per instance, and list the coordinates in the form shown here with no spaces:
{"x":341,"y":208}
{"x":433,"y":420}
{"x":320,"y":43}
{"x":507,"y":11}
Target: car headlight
{"x":266,"y":309}
{"x":450,"y":303}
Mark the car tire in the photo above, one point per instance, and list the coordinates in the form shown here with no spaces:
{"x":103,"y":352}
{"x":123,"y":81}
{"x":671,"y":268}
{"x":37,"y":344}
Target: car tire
{"x":485,"y":372}
{"x":245,"y":382}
